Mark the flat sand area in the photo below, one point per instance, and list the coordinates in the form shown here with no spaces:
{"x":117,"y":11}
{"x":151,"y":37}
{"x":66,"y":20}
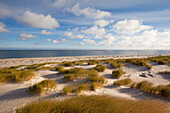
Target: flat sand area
{"x":15,"y":95}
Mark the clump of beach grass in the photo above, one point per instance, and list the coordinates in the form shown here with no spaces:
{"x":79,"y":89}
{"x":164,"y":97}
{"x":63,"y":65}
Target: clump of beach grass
{"x":117,"y":73}
{"x":165,"y":72}
{"x":122,"y":82}
{"x":149,"y":88}
{"x":40,"y":88}
{"x":100,"y":68}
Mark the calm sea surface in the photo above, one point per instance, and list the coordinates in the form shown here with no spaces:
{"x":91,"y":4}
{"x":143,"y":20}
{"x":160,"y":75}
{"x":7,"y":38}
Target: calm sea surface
{"x":60,"y":53}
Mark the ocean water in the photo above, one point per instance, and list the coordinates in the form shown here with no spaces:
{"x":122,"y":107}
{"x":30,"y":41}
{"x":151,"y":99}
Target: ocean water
{"x":61,"y":53}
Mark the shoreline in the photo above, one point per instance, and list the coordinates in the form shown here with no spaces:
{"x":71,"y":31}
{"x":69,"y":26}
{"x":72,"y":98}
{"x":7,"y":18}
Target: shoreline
{"x":29,"y":61}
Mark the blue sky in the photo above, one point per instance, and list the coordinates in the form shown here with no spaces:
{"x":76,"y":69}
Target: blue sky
{"x":85,"y":24}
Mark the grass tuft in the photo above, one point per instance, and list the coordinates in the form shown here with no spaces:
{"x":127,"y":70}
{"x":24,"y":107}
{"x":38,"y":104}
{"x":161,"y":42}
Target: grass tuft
{"x":122,"y":82}
{"x":117,"y":73}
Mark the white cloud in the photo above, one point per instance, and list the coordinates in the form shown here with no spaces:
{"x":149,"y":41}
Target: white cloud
{"x":62,"y":41}
{"x":25,"y":36}
{"x":94,"y":30}
{"x":2,"y":29}
{"x":88,"y":12}
{"x":88,"y":41}
{"x":103,"y":23}
{"x":38,"y":20}
{"x":107,"y":40}
{"x":55,"y":41}
{"x":61,"y":3}
{"x":44,"y":32}
{"x":48,"y":40}
{"x":130,"y":27}
{"x":72,"y":36}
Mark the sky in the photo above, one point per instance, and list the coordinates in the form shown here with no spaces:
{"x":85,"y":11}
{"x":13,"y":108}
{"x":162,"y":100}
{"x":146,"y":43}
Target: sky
{"x":85,"y":24}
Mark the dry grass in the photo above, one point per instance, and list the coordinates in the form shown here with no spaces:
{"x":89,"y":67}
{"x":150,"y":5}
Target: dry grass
{"x":40,"y":88}
{"x":13,"y":75}
{"x":165,"y":72}
{"x":95,"y":104}
{"x":100,"y":68}
{"x":126,"y":81}
{"x":117,"y":73}
{"x":149,"y":88}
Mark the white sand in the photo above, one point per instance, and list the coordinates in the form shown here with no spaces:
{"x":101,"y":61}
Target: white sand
{"x":15,"y":95}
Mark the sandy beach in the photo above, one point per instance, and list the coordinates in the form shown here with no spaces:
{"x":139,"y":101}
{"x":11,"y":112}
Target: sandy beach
{"x":13,"y":95}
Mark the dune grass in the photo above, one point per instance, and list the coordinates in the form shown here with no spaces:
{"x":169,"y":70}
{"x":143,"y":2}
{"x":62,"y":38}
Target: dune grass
{"x":165,"y":72}
{"x":122,"y":82}
{"x":94,"y":76}
{"x":117,"y":73}
{"x":13,"y":75}
{"x":116,"y":65}
{"x":94,"y":104}
{"x":100,"y":68}
{"x":78,"y":88}
{"x":149,"y":88}
{"x":40,"y":88}
{"x":140,"y":62}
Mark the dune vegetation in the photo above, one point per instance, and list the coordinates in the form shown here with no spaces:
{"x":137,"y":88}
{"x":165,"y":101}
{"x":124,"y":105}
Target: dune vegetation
{"x":100,"y":68}
{"x":117,"y":73}
{"x":95,"y":104}
{"x":40,"y":88}
{"x":122,"y":82}
{"x":165,"y":72}
{"x":13,"y":75}
{"x":149,"y":88}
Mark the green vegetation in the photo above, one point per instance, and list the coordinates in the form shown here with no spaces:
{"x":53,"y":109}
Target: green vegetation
{"x":149,"y":88}
{"x":68,"y":64}
{"x":59,"y":68}
{"x":95,"y":104}
{"x":122,"y":82}
{"x":40,"y":88}
{"x":78,"y":88}
{"x":139,"y":62}
{"x":165,"y":72}
{"x":100,"y":68}
{"x":117,"y":73}
{"x":13,"y":75}
{"x":93,"y":76}
{"x":160,"y":59}
{"x":116,"y":65}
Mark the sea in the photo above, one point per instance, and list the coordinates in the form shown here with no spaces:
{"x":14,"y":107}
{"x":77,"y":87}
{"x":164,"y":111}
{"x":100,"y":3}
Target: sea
{"x":64,"y":53}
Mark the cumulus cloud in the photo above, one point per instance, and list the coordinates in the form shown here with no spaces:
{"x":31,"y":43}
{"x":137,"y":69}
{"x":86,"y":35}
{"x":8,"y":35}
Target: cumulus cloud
{"x":38,"y":20}
{"x":94,"y":30}
{"x":107,"y":40}
{"x":44,"y":32}
{"x":88,"y":12}
{"x":25,"y":36}
{"x":73,"y":36}
{"x":130,"y":27}
{"x":88,"y":41}
{"x":61,"y":41}
{"x":2,"y":27}
{"x":103,"y":23}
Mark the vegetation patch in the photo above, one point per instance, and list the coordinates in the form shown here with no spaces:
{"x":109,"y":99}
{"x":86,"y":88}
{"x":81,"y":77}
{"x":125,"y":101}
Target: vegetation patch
{"x":149,"y":88}
{"x":116,"y":65}
{"x":13,"y":75}
{"x":40,"y":88}
{"x":100,"y":68}
{"x":165,"y":72}
{"x":117,"y":73}
{"x":122,"y":82}
{"x":95,"y":104}
{"x":93,"y":76}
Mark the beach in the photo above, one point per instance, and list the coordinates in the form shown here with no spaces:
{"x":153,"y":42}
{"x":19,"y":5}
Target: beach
{"x":14,"y":95}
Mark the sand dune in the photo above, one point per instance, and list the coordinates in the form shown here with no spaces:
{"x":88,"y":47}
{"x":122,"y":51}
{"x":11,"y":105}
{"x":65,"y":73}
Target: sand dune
{"x":15,"y":95}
